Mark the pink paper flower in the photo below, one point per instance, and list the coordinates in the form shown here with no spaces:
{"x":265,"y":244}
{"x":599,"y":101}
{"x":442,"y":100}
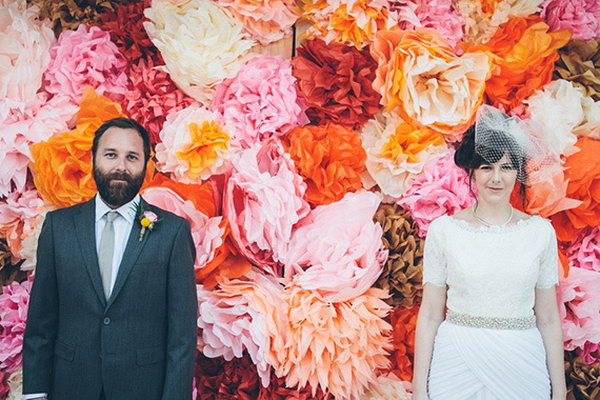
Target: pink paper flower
{"x":581,"y":16}
{"x":260,"y":101}
{"x":578,"y":304}
{"x":590,"y":352}
{"x":584,"y":251}
{"x":86,"y":57}
{"x":442,"y":188}
{"x":14,"y":301}
{"x":340,"y":248}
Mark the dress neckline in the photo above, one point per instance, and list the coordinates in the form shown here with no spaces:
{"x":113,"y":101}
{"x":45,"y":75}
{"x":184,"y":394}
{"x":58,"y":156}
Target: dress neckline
{"x":492,"y":228}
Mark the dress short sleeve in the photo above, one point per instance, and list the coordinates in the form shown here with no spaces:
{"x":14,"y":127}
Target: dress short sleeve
{"x":548,"y":275}
{"x":434,"y":259}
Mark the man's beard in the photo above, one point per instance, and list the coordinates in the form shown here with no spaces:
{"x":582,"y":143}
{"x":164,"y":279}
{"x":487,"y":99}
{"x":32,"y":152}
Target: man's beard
{"x":117,"y":193}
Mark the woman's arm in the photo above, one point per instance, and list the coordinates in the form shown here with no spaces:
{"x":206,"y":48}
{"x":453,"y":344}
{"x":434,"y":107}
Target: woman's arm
{"x":548,"y":323}
{"x":431,"y":315}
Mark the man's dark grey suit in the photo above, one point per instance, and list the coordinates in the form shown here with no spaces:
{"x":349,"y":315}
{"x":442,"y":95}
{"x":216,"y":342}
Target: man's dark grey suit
{"x":138,"y":344}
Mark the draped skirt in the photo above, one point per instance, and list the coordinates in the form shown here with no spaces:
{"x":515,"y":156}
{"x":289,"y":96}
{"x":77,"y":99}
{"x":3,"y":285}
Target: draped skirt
{"x":488,"y":364}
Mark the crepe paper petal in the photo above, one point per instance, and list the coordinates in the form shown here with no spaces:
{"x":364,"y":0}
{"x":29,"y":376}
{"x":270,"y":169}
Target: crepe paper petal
{"x":441,"y":189}
{"x":583,"y":380}
{"x":200,"y":44}
{"x":14,"y":302}
{"x":265,"y":21}
{"x":217,"y":379}
{"x":389,"y":387}
{"x":330,"y":158}
{"x":584,"y":251}
{"x":68,"y":14}
{"x":398,"y":151}
{"x":75,"y":65}
{"x":424,"y":82}
{"x":335,"y":81}
{"x":578,"y":305}
{"x":582,"y":171}
{"x":261,"y":101}
{"x":581,"y":16}
{"x":15,"y":384}
{"x":335,"y":346}
{"x":590,"y":353}
{"x":404,"y":324}
{"x":278,"y":390}
{"x":263,"y":200}
{"x":579,"y":63}
{"x":337,"y":250}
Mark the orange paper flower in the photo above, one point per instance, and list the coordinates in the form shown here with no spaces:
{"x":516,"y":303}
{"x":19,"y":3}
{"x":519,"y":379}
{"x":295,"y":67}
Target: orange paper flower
{"x":62,"y":166}
{"x":207,"y":143}
{"x":330,"y":159}
{"x":404,"y":322}
{"x":523,"y":53}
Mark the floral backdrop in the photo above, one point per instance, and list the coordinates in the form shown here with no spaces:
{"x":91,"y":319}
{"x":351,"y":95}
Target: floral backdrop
{"x":309,"y":182}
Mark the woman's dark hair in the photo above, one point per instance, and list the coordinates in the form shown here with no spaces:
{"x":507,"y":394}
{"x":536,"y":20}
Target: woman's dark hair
{"x":124,"y":123}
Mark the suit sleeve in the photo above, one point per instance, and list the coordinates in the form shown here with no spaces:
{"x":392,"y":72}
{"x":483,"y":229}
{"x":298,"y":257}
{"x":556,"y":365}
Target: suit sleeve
{"x":182,"y":317}
{"x":42,"y":317}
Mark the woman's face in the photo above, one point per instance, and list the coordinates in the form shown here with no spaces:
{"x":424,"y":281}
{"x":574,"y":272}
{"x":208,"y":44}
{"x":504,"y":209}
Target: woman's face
{"x":495,"y":182}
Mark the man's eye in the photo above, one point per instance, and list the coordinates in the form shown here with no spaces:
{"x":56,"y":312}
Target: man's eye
{"x":109,"y":155}
{"x":132,"y":157}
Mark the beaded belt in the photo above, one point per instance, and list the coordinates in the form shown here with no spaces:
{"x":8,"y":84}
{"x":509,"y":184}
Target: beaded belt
{"x":490,"y":322}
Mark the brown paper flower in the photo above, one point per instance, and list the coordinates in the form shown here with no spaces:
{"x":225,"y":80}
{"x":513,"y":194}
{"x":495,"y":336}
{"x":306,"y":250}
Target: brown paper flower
{"x":4,"y":254}
{"x":583,"y":380}
{"x":403,"y":272}
{"x":8,"y":272}
{"x":579,"y":63}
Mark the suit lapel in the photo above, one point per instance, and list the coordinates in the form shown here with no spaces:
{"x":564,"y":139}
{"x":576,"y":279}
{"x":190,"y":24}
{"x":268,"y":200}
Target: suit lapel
{"x":85,"y":227}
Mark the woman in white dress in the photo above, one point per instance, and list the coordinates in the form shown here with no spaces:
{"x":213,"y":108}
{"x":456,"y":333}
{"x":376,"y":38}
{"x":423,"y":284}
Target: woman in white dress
{"x":494,"y":269}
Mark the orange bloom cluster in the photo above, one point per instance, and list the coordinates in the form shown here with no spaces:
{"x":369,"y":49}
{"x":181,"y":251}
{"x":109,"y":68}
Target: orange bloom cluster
{"x":408,"y":141}
{"x":62,"y":166}
{"x":404,"y":321}
{"x":582,"y":170}
{"x":207,"y":144}
{"x":330,"y":159}
{"x":523,"y":54}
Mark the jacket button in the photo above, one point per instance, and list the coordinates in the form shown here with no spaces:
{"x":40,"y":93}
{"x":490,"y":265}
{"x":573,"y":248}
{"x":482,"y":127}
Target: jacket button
{"x":106,"y":321}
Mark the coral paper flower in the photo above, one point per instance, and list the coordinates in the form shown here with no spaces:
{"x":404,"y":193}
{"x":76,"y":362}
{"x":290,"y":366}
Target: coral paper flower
{"x":335,"y":81}
{"x":389,"y":387}
{"x":14,"y":301}
{"x":330,"y":158}
{"x":581,"y":16}
{"x":421,"y":79}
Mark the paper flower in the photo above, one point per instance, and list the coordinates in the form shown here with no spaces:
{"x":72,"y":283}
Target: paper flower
{"x":199,"y":43}
{"x":266,"y":21}
{"x":581,"y":16}
{"x":75,"y":64}
{"x":389,"y":387}
{"x":335,"y":82}
{"x":404,"y":324}
{"x":347,"y":21}
{"x":263,"y":200}
{"x":583,"y":380}
{"x":330,"y":158}
{"x":402,"y":274}
{"x":278,"y":390}
{"x":24,"y":51}
{"x":582,"y":170}
{"x":523,"y":53}
{"x":260,"y":101}
{"x":335,"y":346}
{"x":340,"y":248}
{"x":193,"y":145}
{"x":578,"y":304}
{"x":398,"y":151}
{"x":421,"y":79}
{"x":442,"y":188}
{"x":217,"y":379}
{"x":152,"y":96}
{"x":579,"y":63}
{"x":584,"y":251}
{"x":4,"y":254}
{"x":29,"y":243}
{"x":14,"y":301}
{"x":68,"y":14}
{"x":590,"y":352}
{"x":15,"y":384}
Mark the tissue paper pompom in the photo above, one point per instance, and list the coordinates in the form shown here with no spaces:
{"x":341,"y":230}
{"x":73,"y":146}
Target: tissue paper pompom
{"x":217,"y":379}
{"x":584,"y":252}
{"x":336,"y":346}
{"x":278,"y":390}
{"x":578,"y":304}
{"x":581,"y":16}
{"x":340,"y":248}
{"x":152,"y":96}
{"x":582,"y":170}
{"x":14,"y":301}
{"x":335,"y":81}
{"x":69,"y":14}
{"x":263,"y":200}
{"x":442,"y":188}
{"x":265,"y":20}
{"x":404,"y":323}
{"x":193,"y":145}
{"x":403,"y":272}
{"x":583,"y":380}
{"x":199,"y":43}
{"x":523,"y":53}
{"x":580,"y":63}
{"x":86,"y":57}
{"x":389,"y":387}
{"x":398,"y":151}
{"x":24,"y":51}
{"x":330,"y":158}
{"x":261,"y":101}
{"x":421,"y":79}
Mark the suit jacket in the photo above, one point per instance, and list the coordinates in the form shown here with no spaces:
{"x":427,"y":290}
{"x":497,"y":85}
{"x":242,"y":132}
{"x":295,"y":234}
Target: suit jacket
{"x":138,"y":344}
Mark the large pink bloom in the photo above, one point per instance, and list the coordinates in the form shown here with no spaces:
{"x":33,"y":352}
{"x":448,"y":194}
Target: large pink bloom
{"x":584,"y":251}
{"x":582,"y":16}
{"x":14,"y":301}
{"x":340,"y":248}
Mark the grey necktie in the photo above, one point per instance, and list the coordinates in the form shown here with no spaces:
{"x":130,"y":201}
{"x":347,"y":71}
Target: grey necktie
{"x":107,"y":248}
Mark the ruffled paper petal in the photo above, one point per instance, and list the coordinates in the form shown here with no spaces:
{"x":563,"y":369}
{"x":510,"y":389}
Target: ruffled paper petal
{"x":581,"y":16}
{"x":68,"y":14}
{"x":14,"y":302}
{"x":389,"y":387}
{"x":580,"y":63}
{"x":584,"y":251}
{"x":217,"y":379}
{"x":15,"y":384}
{"x":404,"y":323}
{"x":590,"y":353}
{"x":278,"y":390}
{"x":583,"y":380}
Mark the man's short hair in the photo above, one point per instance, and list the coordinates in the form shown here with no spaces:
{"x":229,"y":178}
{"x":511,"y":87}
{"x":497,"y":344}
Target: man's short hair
{"x":124,"y":123}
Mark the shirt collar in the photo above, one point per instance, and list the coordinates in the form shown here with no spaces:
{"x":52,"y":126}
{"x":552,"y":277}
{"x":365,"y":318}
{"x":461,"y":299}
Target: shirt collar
{"x":127,"y":210}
